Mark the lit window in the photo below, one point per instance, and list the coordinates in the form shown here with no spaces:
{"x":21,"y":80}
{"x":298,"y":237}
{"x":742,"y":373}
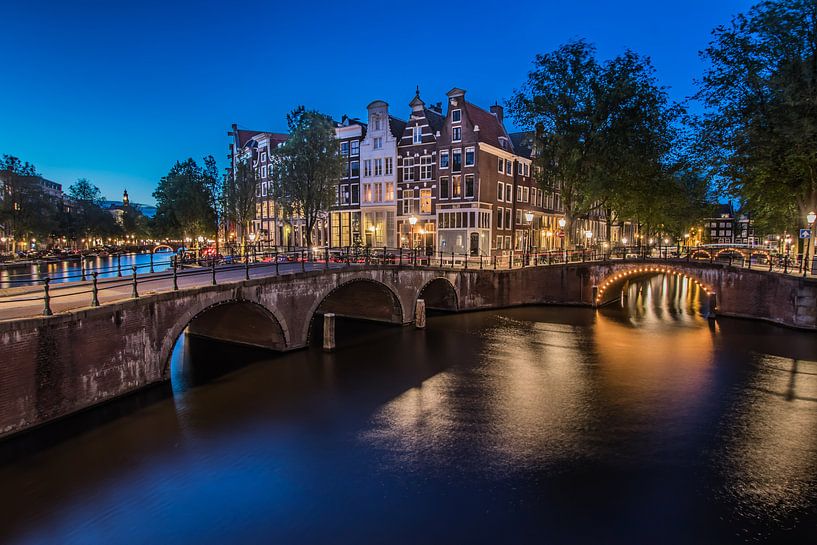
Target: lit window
{"x":425,"y":201}
{"x":456,"y":187}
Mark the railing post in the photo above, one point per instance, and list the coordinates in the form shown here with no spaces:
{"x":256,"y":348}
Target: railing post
{"x":452,"y":260}
{"x":367,"y":255}
{"x":303,"y":262}
{"x":494,"y":261}
{"x":213,"y":269}
{"x":135,"y":293}
{"x":119,"y":265}
{"x":46,"y":297}
{"x":327,"y":258}
{"x":384,"y":256}
{"x":400,"y":257}
{"x":175,"y":275}
{"x":151,"y":263}
{"x":82,"y":268}
{"x":466,"y":261}
{"x":95,"y":291}
{"x":770,"y":263}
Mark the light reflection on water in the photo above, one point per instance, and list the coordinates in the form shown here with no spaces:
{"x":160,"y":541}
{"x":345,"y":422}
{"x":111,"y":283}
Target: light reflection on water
{"x":642,"y":422}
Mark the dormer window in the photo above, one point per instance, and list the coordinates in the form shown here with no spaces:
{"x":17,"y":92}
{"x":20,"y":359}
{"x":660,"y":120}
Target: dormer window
{"x":377,"y":124}
{"x":456,"y":134}
{"x":456,"y":116}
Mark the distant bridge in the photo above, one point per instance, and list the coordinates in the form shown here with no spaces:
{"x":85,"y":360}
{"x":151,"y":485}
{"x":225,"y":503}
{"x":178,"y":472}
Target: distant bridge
{"x":82,"y":354}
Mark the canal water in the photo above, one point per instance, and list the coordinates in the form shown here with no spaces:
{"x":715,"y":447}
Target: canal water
{"x":638,"y":423}
{"x":70,"y":270}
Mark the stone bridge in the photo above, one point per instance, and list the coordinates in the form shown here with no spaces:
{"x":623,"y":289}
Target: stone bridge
{"x":56,"y":365}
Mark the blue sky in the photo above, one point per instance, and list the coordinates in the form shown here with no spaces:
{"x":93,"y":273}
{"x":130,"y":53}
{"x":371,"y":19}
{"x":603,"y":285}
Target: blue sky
{"x":118,"y":91}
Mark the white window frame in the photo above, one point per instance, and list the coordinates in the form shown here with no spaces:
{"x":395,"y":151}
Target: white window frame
{"x":456,"y":114}
{"x":454,"y":132}
{"x":472,"y":150}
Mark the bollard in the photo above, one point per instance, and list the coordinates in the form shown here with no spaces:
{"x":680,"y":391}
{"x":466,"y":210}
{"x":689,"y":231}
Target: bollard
{"x":46,"y":298}
{"x":420,"y":314}
{"x":494,"y":261}
{"x":713,"y":301}
{"x":95,"y":291}
{"x":400,"y":262}
{"x":213,"y":269}
{"x":175,"y":276}
{"x":452,"y":260}
{"x":328,"y":332}
{"x":134,"y":294}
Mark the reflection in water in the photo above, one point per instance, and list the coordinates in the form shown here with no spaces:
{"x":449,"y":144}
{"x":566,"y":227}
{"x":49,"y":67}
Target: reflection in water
{"x":637,"y":423}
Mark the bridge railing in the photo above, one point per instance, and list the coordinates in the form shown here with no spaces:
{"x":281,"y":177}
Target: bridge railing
{"x":272,"y":261}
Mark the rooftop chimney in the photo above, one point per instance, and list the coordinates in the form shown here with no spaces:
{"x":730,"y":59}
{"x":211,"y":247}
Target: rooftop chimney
{"x":497,"y":110}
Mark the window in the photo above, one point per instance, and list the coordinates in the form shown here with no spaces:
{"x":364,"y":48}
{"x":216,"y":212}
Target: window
{"x":508,"y":167}
{"x":418,"y":135}
{"x":367,"y":192}
{"x":519,"y":168}
{"x":469,"y":157}
{"x":344,"y":194}
{"x":378,"y":167}
{"x":525,"y":194}
{"x":389,"y":166}
{"x":508,"y":221}
{"x":498,"y":243}
{"x":508,"y":193}
{"x":499,"y":215}
{"x":345,"y":173}
{"x":377,"y":123}
{"x":355,"y":194}
{"x":444,"y":159}
{"x":408,"y":169}
{"x":355,"y":169}
{"x":344,"y":148}
{"x":425,"y":167}
{"x":501,"y":165}
{"x":527,"y":169}
{"x":518,"y":217}
{"x":456,"y":187}
{"x":457,"y":134}
{"x":378,"y":192}
{"x":378,"y":142}
{"x":443,"y":188}
{"x":500,"y":191}
{"x":456,"y":160}
{"x":425,"y":201}
{"x":408,"y":201}
{"x":367,"y":168}
{"x":469,"y":185}
{"x":355,"y":147}
{"x":508,"y":243}
{"x":264,"y":171}
{"x":456,"y":116}
{"x":389,"y":191}
{"x":519,"y":193}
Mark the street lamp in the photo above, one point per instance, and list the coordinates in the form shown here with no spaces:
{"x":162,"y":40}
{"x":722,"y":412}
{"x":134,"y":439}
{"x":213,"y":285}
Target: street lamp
{"x":413,"y":222}
{"x":811,"y":217}
{"x":562,"y":223}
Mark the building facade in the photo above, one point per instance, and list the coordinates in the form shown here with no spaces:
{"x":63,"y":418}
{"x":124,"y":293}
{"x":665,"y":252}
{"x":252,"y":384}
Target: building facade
{"x":344,"y":217}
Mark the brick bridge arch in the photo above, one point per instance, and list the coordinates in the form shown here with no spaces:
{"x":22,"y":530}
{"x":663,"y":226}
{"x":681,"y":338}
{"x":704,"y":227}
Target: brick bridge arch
{"x":207,"y":317}
{"x":610,"y":281}
{"x":440,"y":293}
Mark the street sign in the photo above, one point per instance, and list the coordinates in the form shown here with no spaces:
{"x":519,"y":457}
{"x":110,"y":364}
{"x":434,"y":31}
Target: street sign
{"x":805,"y":233}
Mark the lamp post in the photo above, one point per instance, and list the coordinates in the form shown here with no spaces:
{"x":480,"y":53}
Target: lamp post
{"x":252,"y":241}
{"x":562,"y":223}
{"x":811,"y":217}
{"x":529,"y":245}
{"x":413,"y":222}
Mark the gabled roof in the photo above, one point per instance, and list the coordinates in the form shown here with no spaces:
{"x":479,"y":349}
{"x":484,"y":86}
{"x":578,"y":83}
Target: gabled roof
{"x":397,"y":127}
{"x":435,"y":120}
{"x":522,"y":143}
{"x":490,"y":129}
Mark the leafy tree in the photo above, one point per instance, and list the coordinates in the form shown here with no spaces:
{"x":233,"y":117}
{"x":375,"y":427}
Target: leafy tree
{"x":758,"y":135}
{"x":308,"y":167}
{"x":87,"y":218}
{"x":239,"y":197}
{"x":186,"y":200}
{"x":604,"y":130}
{"x":26,"y":210}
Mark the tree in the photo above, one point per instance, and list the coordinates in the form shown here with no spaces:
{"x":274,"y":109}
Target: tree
{"x":186,"y":200}
{"x":87,"y":217}
{"x":239,"y":197}
{"x":603,"y":130}
{"x":758,"y":134}
{"x":308,"y":167}
{"x":26,"y":211}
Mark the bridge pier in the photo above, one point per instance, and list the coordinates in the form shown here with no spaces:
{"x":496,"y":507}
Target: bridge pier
{"x":420,"y":314}
{"x":329,"y":332}
{"x":713,"y":300}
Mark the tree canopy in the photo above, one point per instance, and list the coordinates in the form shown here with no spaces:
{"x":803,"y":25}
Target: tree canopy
{"x":186,"y":200}
{"x":758,"y":135}
{"x":307,"y":168}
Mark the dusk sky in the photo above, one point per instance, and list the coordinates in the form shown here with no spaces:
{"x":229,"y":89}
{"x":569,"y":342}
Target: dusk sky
{"x":118,"y":91}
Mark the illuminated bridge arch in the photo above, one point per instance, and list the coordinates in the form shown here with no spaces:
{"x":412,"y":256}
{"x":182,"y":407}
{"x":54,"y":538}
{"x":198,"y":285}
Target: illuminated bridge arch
{"x":611,"y":283}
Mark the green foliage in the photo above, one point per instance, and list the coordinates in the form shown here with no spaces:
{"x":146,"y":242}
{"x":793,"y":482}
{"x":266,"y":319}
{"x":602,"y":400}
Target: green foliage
{"x":239,"y":196}
{"x":308,"y":167}
{"x":186,"y":200}
{"x":758,"y":136}
{"x":26,"y":210}
{"x":604,"y":130}
{"x":86,"y":219}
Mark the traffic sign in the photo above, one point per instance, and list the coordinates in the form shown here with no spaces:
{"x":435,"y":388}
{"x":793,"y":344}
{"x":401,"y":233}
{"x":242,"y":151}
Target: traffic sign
{"x":805,"y":233}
